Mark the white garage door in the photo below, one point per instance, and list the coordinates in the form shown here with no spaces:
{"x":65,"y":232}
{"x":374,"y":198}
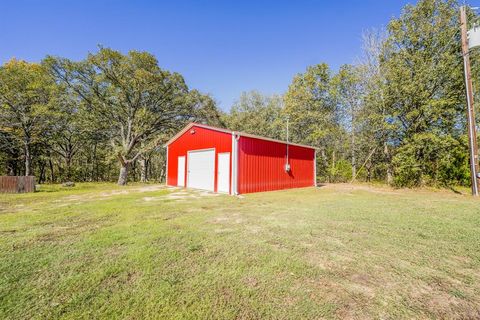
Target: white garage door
{"x":201,"y":169}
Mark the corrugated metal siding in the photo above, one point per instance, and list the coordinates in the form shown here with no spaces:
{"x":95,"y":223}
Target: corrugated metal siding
{"x":202,"y":139}
{"x":17,"y":184}
{"x":262,"y":166}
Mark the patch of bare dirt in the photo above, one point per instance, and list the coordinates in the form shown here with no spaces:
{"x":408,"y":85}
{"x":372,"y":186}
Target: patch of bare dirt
{"x":118,"y":280}
{"x":79,"y":198}
{"x":361,"y":284}
{"x":151,"y":188}
{"x":233,"y":218}
{"x":251,"y":282}
{"x":93,"y":196}
{"x":114,"y":193}
{"x":387,"y":190}
{"x":224,"y":230}
{"x":182,"y":194}
{"x":349,"y":187}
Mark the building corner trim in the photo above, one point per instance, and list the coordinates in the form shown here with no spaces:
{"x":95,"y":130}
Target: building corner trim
{"x":166,"y":169}
{"x":234,"y":182}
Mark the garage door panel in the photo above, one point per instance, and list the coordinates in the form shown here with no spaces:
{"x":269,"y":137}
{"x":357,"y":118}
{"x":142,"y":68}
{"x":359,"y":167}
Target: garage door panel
{"x":201,"y":169}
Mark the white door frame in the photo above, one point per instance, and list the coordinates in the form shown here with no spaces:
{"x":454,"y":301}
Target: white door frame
{"x":178,"y":171}
{"x":229,"y":171}
{"x":214,"y":164}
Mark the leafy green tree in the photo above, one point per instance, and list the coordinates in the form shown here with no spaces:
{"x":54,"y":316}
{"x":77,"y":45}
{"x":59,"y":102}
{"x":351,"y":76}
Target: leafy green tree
{"x":313,"y":113}
{"x":9,"y":152}
{"x":69,"y":129}
{"x":129,"y":97}
{"x":425,"y":90}
{"x":431,"y":160}
{"x":258,"y":114}
{"x":375,"y":129}
{"x":25,"y":90}
{"x":204,"y":109}
{"x":348,"y":91}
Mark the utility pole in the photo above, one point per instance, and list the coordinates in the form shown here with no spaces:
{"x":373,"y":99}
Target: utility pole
{"x":472,"y":132}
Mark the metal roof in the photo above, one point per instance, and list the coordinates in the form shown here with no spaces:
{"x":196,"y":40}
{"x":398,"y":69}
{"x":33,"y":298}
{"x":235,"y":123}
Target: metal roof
{"x":243,"y":134}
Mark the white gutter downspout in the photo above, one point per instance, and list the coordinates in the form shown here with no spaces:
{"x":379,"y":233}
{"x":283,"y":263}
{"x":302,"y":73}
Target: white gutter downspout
{"x":234,"y":182}
{"x":315,"y":167}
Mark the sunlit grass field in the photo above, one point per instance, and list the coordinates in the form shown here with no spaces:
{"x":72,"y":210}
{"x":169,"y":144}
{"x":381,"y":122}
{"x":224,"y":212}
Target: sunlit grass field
{"x":145,"y":251}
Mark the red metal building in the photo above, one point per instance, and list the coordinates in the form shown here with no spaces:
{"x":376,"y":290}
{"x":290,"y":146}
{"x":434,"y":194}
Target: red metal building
{"x":220,"y":160}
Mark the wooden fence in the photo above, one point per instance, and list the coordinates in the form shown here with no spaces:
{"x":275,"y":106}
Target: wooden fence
{"x":17,"y":184}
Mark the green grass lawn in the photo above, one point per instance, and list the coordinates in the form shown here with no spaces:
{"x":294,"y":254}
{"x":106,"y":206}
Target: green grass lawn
{"x":339,"y":251}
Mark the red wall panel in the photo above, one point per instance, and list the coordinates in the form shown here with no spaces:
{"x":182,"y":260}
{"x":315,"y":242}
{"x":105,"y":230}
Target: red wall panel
{"x":203,"y":138}
{"x":261,"y":166}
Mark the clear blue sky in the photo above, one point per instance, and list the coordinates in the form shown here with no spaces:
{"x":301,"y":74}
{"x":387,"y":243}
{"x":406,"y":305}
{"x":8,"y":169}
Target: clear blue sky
{"x":220,"y":47}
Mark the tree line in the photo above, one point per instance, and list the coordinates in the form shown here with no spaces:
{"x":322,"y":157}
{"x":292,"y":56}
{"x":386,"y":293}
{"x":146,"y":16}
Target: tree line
{"x":65,"y":120}
{"x":396,"y":115}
